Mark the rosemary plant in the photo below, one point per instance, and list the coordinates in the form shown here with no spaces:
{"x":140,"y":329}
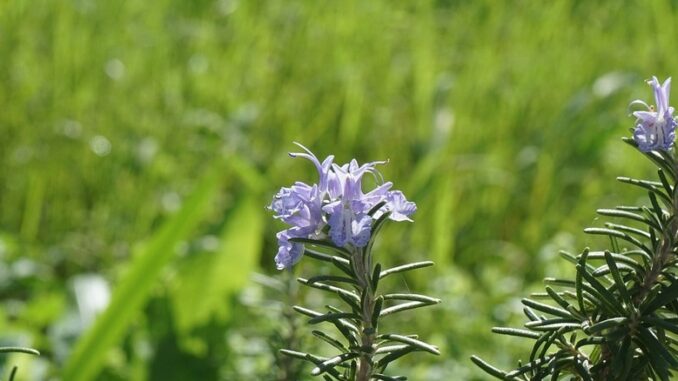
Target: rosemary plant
{"x":335,"y":222}
{"x":618,"y":319}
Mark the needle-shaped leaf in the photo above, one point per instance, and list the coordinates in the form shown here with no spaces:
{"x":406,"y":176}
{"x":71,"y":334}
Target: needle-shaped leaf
{"x":489,"y":369}
{"x":618,"y":280}
{"x":606,"y":324}
{"x":403,"y":307}
{"x":410,"y":341}
{"x":604,"y":295}
{"x":407,"y":267}
{"x":337,"y":290}
{"x":652,"y":186}
{"x":629,"y":215}
{"x":383,"y":377}
{"x":414,"y":297}
{"x":329,"y":340}
{"x":665,"y":296}
{"x":328,"y":245}
{"x":547,"y":308}
{"x":617,"y":234}
{"x":516,"y":332}
{"x":332,"y":362}
{"x":333,"y":316}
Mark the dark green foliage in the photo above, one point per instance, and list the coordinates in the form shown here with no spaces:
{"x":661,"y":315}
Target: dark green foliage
{"x":362,"y":351}
{"x":618,"y":320}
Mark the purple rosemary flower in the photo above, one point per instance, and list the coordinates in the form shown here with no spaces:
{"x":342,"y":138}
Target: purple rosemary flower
{"x":299,"y":205}
{"x":655,"y":128}
{"x":323,"y":168}
{"x":338,"y":201}
{"x":289,"y":253}
{"x":400,"y":208}
{"x":349,"y":220}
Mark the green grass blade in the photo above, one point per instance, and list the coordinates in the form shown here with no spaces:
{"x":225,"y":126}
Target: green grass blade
{"x":135,"y":286}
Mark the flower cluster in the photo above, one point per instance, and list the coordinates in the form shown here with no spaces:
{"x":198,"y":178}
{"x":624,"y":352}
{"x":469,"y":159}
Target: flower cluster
{"x":335,"y":207}
{"x":655,"y":129}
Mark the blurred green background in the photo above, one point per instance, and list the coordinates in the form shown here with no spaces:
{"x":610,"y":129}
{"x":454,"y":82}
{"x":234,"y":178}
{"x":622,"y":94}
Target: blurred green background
{"x":141,"y":141}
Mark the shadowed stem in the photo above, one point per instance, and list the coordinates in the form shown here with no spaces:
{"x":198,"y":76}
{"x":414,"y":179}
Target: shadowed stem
{"x":288,"y":369}
{"x":362,"y":265}
{"x":669,"y":236}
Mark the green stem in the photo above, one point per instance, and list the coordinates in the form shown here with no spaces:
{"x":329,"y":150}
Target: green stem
{"x":669,"y":236}
{"x":362,"y":264}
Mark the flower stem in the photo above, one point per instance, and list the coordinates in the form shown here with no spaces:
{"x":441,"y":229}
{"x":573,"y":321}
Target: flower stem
{"x":362,"y":265}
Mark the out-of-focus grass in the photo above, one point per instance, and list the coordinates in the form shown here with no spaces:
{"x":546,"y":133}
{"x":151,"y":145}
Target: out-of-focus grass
{"x":500,"y":119}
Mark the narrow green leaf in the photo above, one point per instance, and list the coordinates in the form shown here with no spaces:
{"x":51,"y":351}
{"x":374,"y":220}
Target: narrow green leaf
{"x":390,"y":348}
{"x":376,"y":227}
{"x":342,"y":264}
{"x":568,"y":257}
{"x":543,"y":327}
{"x":324,"y":244}
{"x":606,"y":324}
{"x":337,"y":290}
{"x":413,"y":342}
{"x":618,"y":280}
{"x":403,"y":307}
{"x":651,"y":186}
{"x":407,"y":267}
{"x":655,"y":346}
{"x":617,"y":234}
{"x":537,"y":346}
{"x":627,"y":214}
{"x":662,"y":323}
{"x":669,"y":160}
{"x":333,"y":317}
{"x":605,"y":296}
{"x":384,"y":377}
{"x":332,"y":362}
{"x":665,"y":182}
{"x":415,"y":297}
{"x":623,"y":359}
{"x":317,"y":360}
{"x":329,"y":340}
{"x":303,"y":356}
{"x":655,"y":157}
{"x":331,"y":278}
{"x":558,"y":299}
{"x":516,"y":332}
{"x":656,"y":208}
{"x":389,"y":358}
{"x":378,"y":304}
{"x":530,"y":314}
{"x":628,"y":229}
{"x":376,"y":275}
{"x":376,"y":208}
{"x":557,"y":335}
{"x":618,"y":258}
{"x":591,"y":341}
{"x":306,"y":311}
{"x":489,"y":369}
{"x":665,"y":296}
{"x":547,"y":308}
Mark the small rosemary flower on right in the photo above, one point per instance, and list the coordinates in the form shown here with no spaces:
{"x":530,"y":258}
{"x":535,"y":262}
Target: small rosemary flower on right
{"x":655,"y":128}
